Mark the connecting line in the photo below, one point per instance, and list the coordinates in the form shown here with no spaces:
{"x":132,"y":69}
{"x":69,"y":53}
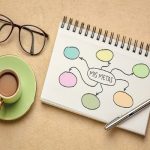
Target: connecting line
{"x":106,"y":66}
{"x":82,"y":77}
{"x":125,"y":81}
{"x":85,"y":62}
{"x":121,"y":71}
{"x":97,"y":93}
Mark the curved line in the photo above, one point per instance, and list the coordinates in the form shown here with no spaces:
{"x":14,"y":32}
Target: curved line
{"x":82,"y":77}
{"x":100,"y":91}
{"x":105,"y":66}
{"x":121,"y":71}
{"x":101,"y":88}
{"x":85,"y":61}
{"x":125,"y":81}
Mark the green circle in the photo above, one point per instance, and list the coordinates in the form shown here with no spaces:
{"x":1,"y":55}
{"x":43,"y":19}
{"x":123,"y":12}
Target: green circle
{"x":28,"y":84}
{"x":90,"y":101}
{"x":141,"y":70}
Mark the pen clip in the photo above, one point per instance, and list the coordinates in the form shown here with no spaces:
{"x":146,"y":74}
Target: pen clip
{"x":113,"y":120}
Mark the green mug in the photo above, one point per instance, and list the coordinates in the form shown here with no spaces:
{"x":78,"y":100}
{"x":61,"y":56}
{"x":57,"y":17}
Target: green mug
{"x":10,"y":86}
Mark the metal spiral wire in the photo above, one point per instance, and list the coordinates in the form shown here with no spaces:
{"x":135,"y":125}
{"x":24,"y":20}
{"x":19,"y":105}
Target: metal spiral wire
{"x":130,"y":46}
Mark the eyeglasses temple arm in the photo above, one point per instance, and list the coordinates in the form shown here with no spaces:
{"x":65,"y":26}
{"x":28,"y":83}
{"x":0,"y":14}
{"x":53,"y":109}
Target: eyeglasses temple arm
{"x":45,"y":34}
{"x":32,"y":46}
{"x":4,"y":20}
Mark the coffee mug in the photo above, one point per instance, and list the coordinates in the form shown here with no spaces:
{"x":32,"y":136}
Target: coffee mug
{"x":10,"y":86}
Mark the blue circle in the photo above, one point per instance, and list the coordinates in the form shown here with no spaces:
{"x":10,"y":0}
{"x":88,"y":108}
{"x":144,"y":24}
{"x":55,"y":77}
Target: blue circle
{"x":71,"y":53}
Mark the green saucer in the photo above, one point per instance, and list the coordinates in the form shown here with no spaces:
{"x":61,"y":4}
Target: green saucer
{"x":28,"y":83}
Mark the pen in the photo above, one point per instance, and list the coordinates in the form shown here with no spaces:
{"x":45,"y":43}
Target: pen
{"x":127,"y":115}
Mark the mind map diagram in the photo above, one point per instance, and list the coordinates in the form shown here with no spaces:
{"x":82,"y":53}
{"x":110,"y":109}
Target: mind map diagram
{"x":101,"y":77}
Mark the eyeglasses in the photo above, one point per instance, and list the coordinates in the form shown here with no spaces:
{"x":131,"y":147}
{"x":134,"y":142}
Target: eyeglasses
{"x":32,"y":39}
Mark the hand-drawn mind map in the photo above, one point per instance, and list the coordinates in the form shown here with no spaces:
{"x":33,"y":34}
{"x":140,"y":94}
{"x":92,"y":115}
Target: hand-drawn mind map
{"x":101,"y":77}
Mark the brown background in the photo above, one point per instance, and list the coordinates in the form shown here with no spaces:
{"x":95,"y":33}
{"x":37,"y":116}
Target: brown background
{"x":45,"y":127}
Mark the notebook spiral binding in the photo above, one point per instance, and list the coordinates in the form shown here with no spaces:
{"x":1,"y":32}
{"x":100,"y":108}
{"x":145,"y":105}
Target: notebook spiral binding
{"x":105,"y":35}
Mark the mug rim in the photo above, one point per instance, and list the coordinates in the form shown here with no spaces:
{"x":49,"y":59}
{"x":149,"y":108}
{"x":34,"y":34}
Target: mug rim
{"x":8,"y":70}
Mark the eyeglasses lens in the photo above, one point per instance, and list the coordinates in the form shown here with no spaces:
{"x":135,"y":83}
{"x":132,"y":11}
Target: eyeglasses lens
{"x":5,"y":28}
{"x":32,"y":39}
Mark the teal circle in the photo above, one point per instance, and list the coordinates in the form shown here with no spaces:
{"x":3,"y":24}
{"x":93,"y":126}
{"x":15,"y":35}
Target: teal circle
{"x":71,"y":53}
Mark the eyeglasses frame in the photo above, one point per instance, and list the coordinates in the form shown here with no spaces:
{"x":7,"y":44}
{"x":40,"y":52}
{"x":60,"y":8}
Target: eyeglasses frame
{"x":20,"y":27}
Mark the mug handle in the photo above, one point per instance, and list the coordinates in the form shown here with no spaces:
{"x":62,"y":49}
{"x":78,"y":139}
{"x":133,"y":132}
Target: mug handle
{"x":1,"y":103}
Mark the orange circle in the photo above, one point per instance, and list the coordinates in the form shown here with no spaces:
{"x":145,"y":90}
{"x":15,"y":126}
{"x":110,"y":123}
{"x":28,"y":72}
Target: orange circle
{"x":123,"y":99}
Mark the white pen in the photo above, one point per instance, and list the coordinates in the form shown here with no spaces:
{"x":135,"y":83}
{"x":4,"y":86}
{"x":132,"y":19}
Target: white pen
{"x":127,"y":115}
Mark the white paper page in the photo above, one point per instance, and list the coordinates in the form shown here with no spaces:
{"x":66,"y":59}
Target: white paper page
{"x":77,"y":81}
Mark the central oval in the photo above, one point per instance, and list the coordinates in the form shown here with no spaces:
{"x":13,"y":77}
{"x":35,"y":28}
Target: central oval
{"x":101,"y":76}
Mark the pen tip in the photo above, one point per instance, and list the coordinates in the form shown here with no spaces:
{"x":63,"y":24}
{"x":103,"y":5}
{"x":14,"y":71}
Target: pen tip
{"x":106,"y":127}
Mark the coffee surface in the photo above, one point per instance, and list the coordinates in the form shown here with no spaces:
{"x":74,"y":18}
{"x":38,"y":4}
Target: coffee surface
{"x":8,"y":84}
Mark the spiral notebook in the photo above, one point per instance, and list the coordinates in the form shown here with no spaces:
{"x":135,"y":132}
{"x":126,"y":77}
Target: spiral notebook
{"x":98,"y":75}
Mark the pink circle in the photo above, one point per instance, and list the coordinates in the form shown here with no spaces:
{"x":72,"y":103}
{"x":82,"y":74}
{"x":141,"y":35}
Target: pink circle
{"x":67,"y":79}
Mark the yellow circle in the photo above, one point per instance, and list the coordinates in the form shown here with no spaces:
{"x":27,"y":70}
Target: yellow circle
{"x":105,"y":55}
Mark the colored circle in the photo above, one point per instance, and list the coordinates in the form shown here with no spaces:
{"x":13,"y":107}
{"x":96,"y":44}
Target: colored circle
{"x":104,"y":55}
{"x":90,"y":101}
{"x":67,"y":79}
{"x":71,"y":53}
{"x":141,"y":70}
{"x":123,"y":99}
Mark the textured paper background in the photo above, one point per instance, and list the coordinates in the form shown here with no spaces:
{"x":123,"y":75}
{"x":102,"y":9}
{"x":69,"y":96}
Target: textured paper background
{"x":46,"y":127}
